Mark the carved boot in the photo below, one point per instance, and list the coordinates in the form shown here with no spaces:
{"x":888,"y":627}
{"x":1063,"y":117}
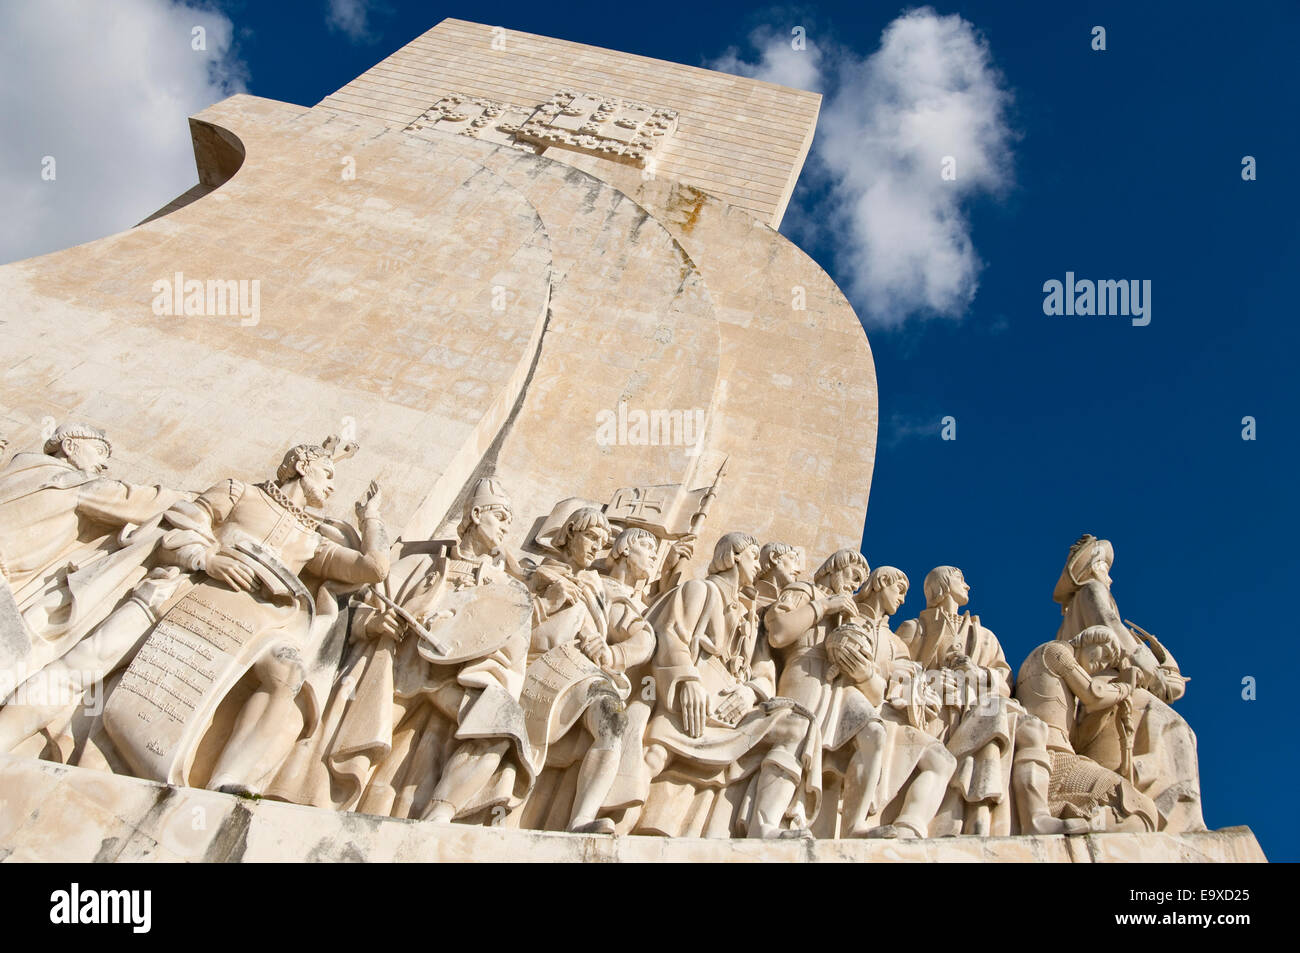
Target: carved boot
{"x":776,"y":789}
{"x":595,"y":777}
{"x":1032,"y":777}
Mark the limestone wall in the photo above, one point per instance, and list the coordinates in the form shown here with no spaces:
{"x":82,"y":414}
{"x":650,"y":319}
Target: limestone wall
{"x":740,"y":139}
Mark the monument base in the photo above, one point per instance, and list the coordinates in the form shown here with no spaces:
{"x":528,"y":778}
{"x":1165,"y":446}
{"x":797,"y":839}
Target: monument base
{"x":52,"y":812}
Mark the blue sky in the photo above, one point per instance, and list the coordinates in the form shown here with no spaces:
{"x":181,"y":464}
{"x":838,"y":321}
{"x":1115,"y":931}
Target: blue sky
{"x":1118,"y":164}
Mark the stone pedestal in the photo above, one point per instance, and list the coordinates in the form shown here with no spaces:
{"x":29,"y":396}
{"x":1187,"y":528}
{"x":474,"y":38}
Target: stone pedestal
{"x":51,"y":812}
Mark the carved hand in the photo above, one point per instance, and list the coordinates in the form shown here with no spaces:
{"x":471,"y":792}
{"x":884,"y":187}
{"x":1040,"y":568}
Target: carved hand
{"x":386,"y":625}
{"x":563,"y":592}
{"x":368,"y":505}
{"x":959,"y":660}
{"x":596,"y":649}
{"x":907,"y":669}
{"x":230,"y":571}
{"x":843,"y":604}
{"x":693,"y":703}
{"x":684,"y":548}
{"x":737,"y":702}
{"x":945,"y":682}
{"x":854,"y":663}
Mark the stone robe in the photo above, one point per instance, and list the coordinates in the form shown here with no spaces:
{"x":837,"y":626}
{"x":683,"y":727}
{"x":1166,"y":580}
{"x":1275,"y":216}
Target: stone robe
{"x":63,"y":566}
{"x":248,"y":523}
{"x":977,"y":723}
{"x":1164,"y":745}
{"x":1056,"y":689}
{"x":710,"y":635}
{"x":401,"y":716}
{"x":561,"y":683}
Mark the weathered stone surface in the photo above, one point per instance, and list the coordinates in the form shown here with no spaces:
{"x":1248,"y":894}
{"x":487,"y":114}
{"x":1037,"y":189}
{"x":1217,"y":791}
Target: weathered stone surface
{"x":740,"y":139}
{"x":57,"y":813}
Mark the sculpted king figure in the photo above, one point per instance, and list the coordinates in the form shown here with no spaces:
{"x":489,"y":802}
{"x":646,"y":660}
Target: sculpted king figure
{"x":248,"y":543}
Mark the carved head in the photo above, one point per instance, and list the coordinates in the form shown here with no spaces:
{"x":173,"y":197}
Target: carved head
{"x":85,"y":447}
{"x":889,"y":585}
{"x":780,"y":562}
{"x":944,"y":581}
{"x":637,"y":548}
{"x":843,"y":572}
{"x":487,"y":514}
{"x":1089,"y":558}
{"x":1097,"y":648}
{"x":582,"y":537}
{"x":313,"y":466}
{"x":739,"y":550}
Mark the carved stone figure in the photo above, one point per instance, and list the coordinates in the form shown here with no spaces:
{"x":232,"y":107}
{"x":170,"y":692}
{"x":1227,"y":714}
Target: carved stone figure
{"x":631,"y":581}
{"x":779,"y":566}
{"x":728,"y":755}
{"x":422,"y":734}
{"x":599,"y":691}
{"x":798,"y":626}
{"x":1162,"y":746}
{"x":1059,"y":791}
{"x":68,"y":551}
{"x":963,"y":661}
{"x":249,"y":610}
{"x":915,"y":767}
{"x":576,"y":687}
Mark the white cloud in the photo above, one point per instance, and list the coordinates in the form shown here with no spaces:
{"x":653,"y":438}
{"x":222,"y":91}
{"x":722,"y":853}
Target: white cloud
{"x":106,"y":90}
{"x":779,"y":61}
{"x":349,"y":17}
{"x":887,"y":124}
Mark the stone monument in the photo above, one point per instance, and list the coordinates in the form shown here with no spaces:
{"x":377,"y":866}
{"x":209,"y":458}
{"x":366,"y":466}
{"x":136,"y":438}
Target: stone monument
{"x":536,"y":290}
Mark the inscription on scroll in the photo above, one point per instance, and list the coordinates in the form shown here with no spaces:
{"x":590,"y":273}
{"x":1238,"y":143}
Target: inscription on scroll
{"x":166,"y":696}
